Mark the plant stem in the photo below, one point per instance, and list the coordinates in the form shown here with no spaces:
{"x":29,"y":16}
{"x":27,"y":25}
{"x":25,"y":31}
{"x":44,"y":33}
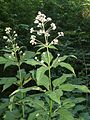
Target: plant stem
{"x":22,"y":94}
{"x":50,"y":87}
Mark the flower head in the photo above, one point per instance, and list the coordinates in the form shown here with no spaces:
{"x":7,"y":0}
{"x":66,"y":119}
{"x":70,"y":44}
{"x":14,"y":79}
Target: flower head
{"x":31,"y":30}
{"x":53,"y":26}
{"x":49,"y":19}
{"x":5,"y":37}
{"x":7,"y":30}
{"x":33,"y":38}
{"x":42,"y":61}
{"x":60,"y":33}
{"x":40,"y":18}
{"x":55,"y":42}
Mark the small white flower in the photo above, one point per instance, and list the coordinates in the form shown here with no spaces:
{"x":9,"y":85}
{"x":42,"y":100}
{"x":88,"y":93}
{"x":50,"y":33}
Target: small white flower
{"x":14,"y":38}
{"x":49,"y":19}
{"x":5,"y":37}
{"x":8,"y":29}
{"x":60,"y":33}
{"x":39,"y":25}
{"x":47,"y":34}
{"x":33,"y":37}
{"x":9,"y":40}
{"x":42,"y":61}
{"x":39,"y":12}
{"x":37,"y":114}
{"x":43,"y":53}
{"x":5,"y":46}
{"x":41,"y":17}
{"x":53,"y":26}
{"x":36,"y":21}
{"x":9,"y":56}
{"x":58,"y":54}
{"x":58,"y":60}
{"x":31,"y":30}
{"x":35,"y":58}
{"x":33,"y":42}
{"x":15,"y":35}
{"x":12,"y":53}
{"x":14,"y":32}
{"x":17,"y":47}
{"x":23,"y":54}
{"x":40,"y":32}
{"x":55,"y":41}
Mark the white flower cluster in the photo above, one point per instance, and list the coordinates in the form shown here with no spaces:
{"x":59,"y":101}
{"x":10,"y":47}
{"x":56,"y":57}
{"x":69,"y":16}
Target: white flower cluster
{"x":55,"y":42}
{"x":41,"y":18}
{"x":41,"y":21}
{"x":53,"y":26}
{"x":10,"y":36}
{"x":42,"y":62}
{"x":33,"y":40}
{"x":7,"y":30}
{"x":60,"y":33}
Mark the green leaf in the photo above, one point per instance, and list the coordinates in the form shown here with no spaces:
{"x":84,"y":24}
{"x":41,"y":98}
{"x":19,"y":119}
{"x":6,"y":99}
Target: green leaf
{"x":73,"y":56}
{"x":60,"y":59}
{"x":39,"y":115}
{"x":52,"y":47}
{"x":3,"y":60}
{"x":47,"y":57}
{"x":3,"y":105}
{"x":68,"y":103}
{"x":44,"y":80}
{"x":55,"y":63}
{"x":40,"y":71}
{"x":35,"y":103}
{"x":33,"y":115}
{"x":28,"y":55}
{"x":60,"y":80}
{"x":78,"y":100}
{"x":83,"y":88}
{"x":65,"y":114}
{"x":9,"y":63}
{"x":32,"y":62}
{"x":22,"y":72}
{"x":24,"y":90}
{"x":7,"y":82}
{"x":55,"y":95}
{"x":67,"y":87}
{"x":79,"y":108}
{"x":15,"y":115}
{"x":68,"y":66}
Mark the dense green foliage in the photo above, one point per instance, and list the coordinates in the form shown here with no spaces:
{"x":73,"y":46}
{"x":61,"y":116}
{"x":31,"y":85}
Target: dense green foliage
{"x":73,"y":18}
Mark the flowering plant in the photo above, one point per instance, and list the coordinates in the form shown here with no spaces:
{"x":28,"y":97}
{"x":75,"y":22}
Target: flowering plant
{"x":51,"y":102}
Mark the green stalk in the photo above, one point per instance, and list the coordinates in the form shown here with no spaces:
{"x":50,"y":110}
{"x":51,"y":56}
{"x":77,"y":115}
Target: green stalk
{"x":21,"y":83}
{"x":22,"y":94}
{"x":49,"y":68}
{"x":50,"y":87}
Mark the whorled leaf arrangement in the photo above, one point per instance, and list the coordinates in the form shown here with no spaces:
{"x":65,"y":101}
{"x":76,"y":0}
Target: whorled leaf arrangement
{"x":51,"y":102}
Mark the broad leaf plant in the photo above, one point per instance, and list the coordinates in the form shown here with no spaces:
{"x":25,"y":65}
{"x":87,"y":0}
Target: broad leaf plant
{"x":51,"y":101}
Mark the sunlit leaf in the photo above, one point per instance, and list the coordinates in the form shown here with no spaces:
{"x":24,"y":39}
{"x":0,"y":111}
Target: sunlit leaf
{"x":7,"y":82}
{"x":55,"y":95}
{"x":65,"y":114}
{"x":60,"y":80}
{"x":47,"y":57}
{"x":67,"y":66}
